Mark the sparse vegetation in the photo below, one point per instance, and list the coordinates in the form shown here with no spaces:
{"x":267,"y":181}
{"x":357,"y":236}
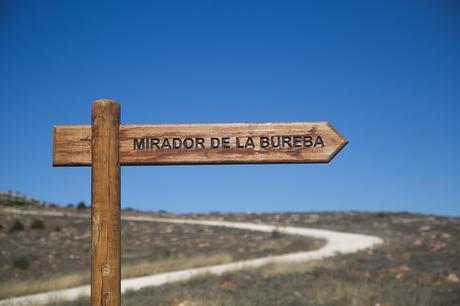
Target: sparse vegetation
{"x":417,"y":266}
{"x":153,"y":267}
{"x":16,"y":227}
{"x":11,"y":198}
{"x":37,"y":224}
{"x":17,"y":288}
{"x":60,"y":258}
{"x":21,"y":263}
{"x":81,"y":205}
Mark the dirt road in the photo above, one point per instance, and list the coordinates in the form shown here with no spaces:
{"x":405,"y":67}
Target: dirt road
{"x":337,"y":243}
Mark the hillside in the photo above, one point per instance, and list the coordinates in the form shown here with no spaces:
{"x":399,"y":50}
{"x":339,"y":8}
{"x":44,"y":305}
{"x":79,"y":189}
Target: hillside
{"x":47,"y":247}
{"x":418,"y":264}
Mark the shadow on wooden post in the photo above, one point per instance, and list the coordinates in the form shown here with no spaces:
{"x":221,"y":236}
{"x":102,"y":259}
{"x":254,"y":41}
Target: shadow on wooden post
{"x":105,"y":209}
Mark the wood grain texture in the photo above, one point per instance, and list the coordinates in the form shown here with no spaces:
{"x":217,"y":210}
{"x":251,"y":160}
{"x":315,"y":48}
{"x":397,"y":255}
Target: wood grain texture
{"x":72,"y":144}
{"x":105,"y":208}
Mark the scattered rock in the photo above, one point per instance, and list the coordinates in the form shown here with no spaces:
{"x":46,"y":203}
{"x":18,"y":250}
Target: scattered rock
{"x":398,"y":269}
{"x":400,"y":276}
{"x":177,"y":302}
{"x":360,"y":274}
{"x":445,"y":236}
{"x":436,"y":246}
{"x":436,"y":279}
{"x":452,"y":278}
{"x":227,"y":284}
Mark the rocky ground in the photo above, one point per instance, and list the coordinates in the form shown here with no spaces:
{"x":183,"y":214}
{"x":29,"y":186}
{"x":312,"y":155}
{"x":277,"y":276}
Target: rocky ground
{"x":41,"y":248}
{"x":419,"y":263}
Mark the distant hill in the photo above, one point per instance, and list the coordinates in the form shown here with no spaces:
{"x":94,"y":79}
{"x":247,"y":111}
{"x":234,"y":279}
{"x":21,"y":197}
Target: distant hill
{"x":14,"y":198}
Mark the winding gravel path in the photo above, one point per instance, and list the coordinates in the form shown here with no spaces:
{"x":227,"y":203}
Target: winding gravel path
{"x":337,"y":243}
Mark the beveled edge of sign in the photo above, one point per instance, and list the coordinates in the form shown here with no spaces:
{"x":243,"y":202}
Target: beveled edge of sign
{"x":82,"y":157}
{"x":53,"y":158}
{"x":339,"y":148}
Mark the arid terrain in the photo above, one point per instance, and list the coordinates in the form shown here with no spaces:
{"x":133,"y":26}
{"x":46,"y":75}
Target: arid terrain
{"x":41,"y":252}
{"x":418,"y":264}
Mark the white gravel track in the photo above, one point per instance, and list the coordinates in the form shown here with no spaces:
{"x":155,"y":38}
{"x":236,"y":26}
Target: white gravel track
{"x":336,"y":243}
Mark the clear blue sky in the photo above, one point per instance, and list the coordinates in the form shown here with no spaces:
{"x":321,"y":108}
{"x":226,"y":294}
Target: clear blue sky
{"x":385,"y":73}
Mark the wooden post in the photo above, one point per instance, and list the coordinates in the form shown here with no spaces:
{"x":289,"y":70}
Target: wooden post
{"x":105,"y":209}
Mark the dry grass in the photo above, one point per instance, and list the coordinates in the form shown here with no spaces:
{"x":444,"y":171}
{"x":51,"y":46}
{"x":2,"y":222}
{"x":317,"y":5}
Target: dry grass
{"x":30,"y":287}
{"x":412,"y":268}
{"x":287,"y":268}
{"x":339,"y":292}
{"x":127,"y":271}
{"x":148,"y":267}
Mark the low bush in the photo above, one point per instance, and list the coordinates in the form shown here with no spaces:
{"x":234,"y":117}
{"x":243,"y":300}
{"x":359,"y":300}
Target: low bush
{"x":16,"y":227}
{"x":21,"y":263}
{"x":37,"y":224}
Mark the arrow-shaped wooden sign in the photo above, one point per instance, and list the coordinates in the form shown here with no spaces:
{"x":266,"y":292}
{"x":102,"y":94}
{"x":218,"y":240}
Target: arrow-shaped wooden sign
{"x":235,"y":143}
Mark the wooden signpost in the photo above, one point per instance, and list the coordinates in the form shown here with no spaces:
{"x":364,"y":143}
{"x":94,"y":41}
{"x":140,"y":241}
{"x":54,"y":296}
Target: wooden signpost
{"x":106,"y":145}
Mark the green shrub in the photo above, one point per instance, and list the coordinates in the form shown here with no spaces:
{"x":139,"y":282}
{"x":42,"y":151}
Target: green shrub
{"x":81,"y":205}
{"x":17,"y":226}
{"x":21,"y":263}
{"x":37,"y":224}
